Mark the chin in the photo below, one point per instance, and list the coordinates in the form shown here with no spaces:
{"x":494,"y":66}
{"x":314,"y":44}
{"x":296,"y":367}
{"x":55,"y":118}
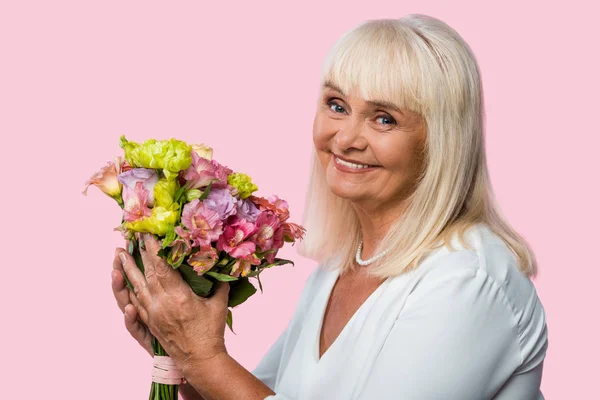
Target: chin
{"x":344,"y":189}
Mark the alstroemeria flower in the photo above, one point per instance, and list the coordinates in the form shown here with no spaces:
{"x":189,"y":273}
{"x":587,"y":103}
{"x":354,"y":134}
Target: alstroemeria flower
{"x":273,"y":203}
{"x":234,"y":236}
{"x":268,"y":234}
{"x":203,"y":260}
{"x":126,"y":233}
{"x":179,"y":249}
{"x":242,"y":266}
{"x":135,"y":202}
{"x":106,"y":180}
{"x":202,"y":224}
{"x":146,"y":176}
{"x":221,"y":201}
{"x":292,"y":231}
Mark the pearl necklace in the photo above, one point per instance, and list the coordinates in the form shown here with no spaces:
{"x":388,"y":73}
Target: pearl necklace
{"x":370,"y":260}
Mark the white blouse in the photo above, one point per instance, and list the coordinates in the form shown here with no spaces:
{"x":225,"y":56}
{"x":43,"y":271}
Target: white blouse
{"x":464,"y":325}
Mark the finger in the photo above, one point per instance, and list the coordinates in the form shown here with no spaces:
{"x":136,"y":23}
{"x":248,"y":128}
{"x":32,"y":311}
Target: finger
{"x":119,"y":289}
{"x":141,"y":310}
{"x":149,"y":259}
{"x":136,"y":278}
{"x":136,"y":329}
{"x":161,"y":270}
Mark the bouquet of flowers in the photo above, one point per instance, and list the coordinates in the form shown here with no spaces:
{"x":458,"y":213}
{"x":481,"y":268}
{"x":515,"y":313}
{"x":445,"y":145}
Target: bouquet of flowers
{"x":210,"y":226}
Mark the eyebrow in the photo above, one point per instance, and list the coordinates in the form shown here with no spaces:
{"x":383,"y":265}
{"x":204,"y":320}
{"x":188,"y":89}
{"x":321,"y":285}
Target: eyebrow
{"x":377,"y":103}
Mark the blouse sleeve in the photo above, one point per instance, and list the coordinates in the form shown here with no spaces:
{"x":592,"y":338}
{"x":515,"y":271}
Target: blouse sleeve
{"x":267,"y":369}
{"x":457,"y":338}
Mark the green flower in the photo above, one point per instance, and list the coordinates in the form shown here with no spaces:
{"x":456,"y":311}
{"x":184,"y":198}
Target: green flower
{"x":164,"y":192}
{"x":170,"y":155}
{"x":242,"y":183}
{"x":193,"y":194}
{"x":159,"y":223}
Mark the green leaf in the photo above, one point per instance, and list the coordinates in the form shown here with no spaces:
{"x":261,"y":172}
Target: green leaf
{"x":163,"y":253}
{"x":221,"y":277}
{"x":229,"y":265}
{"x":240,"y":291}
{"x":230,"y":321}
{"x":206,"y":192}
{"x":131,"y":246}
{"x":169,"y":237}
{"x":262,"y":254}
{"x":137,"y":256}
{"x":178,"y":194}
{"x":222,"y":262}
{"x":278,"y":261}
{"x":199,"y":284}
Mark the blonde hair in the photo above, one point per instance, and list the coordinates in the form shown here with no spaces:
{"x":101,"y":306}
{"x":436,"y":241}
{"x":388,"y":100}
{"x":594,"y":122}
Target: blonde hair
{"x":421,"y":64}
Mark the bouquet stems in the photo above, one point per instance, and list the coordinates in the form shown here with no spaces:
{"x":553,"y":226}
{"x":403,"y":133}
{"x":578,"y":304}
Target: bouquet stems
{"x":158,"y":391}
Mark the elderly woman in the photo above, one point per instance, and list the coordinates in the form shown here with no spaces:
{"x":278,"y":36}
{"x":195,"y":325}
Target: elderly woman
{"x":422,"y":290}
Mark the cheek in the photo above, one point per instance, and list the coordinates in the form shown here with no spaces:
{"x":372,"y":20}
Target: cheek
{"x":322,"y":132}
{"x":401,"y":156}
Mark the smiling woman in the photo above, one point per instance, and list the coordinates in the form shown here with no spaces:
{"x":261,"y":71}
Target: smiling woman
{"x":422,"y":289}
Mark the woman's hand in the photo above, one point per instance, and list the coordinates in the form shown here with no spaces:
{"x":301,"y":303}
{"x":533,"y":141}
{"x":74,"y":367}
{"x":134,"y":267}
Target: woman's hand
{"x":121,"y":292}
{"x":189,"y":327}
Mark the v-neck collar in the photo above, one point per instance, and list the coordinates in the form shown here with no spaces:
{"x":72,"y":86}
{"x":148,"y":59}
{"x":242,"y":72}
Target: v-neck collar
{"x":322,"y":306}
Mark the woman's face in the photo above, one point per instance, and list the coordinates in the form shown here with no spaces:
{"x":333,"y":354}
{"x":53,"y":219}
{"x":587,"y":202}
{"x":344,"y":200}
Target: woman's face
{"x":388,"y":140}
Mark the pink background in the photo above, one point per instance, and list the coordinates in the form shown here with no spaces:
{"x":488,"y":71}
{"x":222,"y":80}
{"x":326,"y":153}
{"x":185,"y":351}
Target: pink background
{"x":243,"y":77}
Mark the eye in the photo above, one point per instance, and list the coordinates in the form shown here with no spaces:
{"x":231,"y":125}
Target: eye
{"x":391,"y":120}
{"x":336,"y":106}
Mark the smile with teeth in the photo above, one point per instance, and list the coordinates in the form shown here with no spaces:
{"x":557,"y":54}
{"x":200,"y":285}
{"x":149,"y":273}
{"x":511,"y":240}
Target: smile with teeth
{"x":352,"y":165}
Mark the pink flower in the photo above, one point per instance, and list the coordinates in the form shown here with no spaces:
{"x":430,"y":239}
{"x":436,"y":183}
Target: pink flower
{"x":268,"y":234}
{"x":126,"y":233}
{"x":180,"y":248}
{"x":203,"y":260}
{"x":202,"y":172}
{"x":273,"y":203}
{"x":106,"y":179}
{"x":147,"y":176}
{"x":292,"y":231}
{"x":242,"y":266}
{"x":135,"y":205}
{"x":203,"y":224}
{"x":232,"y":240}
{"x":222,"y":173}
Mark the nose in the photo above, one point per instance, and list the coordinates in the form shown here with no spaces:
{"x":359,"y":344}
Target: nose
{"x":350,"y":135}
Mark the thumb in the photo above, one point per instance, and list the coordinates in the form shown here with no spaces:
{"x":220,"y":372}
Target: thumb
{"x":222,"y":291}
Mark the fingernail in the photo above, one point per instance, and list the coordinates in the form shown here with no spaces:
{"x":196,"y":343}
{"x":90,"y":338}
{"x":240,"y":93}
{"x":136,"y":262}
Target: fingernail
{"x":122,"y":257}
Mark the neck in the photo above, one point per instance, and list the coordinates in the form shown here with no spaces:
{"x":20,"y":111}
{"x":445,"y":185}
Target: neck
{"x":375,"y":223}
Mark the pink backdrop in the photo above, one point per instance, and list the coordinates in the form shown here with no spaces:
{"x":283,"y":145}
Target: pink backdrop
{"x":243,"y":77}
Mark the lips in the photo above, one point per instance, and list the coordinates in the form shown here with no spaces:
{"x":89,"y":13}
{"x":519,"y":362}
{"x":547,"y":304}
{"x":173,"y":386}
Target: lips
{"x":354,"y":161}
